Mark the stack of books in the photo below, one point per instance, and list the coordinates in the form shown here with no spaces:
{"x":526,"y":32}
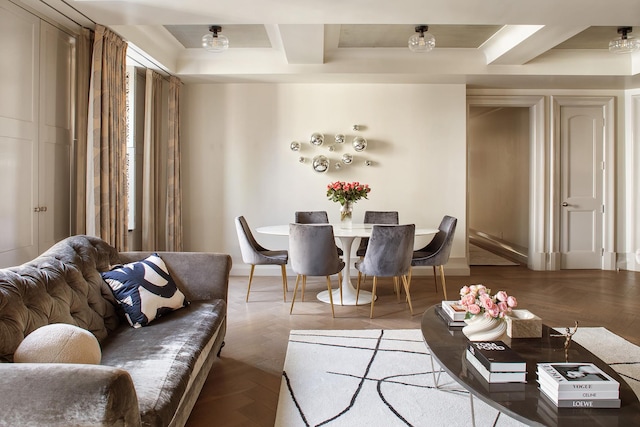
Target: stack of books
{"x":452,"y":313}
{"x":578,"y":385}
{"x":496,"y":362}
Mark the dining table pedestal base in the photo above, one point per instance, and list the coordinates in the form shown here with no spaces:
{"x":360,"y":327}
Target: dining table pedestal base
{"x":348,"y":296}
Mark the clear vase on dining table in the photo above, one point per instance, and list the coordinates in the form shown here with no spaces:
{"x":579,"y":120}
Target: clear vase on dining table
{"x":346,"y":215}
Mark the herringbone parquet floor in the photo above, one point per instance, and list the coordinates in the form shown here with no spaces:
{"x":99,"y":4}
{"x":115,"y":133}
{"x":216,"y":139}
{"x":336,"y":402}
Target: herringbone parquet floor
{"x":242,"y":388}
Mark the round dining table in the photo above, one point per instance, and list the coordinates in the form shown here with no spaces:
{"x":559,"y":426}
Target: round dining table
{"x":346,"y":237}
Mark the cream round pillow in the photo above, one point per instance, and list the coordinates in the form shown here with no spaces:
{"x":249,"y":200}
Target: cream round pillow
{"x":59,"y":343}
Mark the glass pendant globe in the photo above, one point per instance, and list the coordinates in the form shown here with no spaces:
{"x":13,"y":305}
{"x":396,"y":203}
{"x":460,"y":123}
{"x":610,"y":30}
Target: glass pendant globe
{"x":422,"y":43}
{"x":216,"y":44}
{"x":622,"y":45}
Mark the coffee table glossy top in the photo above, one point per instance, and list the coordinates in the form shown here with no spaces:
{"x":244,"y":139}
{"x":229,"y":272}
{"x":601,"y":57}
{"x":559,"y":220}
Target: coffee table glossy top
{"x":521,"y":401}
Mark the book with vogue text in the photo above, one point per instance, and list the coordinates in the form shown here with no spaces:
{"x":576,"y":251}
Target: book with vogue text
{"x":496,"y":356}
{"x":550,"y":390}
{"x":576,"y":377}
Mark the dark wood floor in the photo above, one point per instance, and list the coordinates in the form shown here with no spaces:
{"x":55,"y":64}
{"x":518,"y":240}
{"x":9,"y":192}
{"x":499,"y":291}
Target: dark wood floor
{"x":242,"y":388}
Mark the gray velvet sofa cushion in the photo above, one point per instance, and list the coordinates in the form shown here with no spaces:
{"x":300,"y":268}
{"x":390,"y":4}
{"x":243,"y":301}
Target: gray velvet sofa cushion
{"x":63,"y":285}
{"x":163,"y":357}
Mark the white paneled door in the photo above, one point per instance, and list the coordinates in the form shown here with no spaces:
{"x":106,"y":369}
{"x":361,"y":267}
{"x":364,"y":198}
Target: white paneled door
{"x":35,"y":134}
{"x":581,"y":186}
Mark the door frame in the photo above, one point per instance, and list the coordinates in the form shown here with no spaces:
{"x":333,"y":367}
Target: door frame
{"x":607,"y":103}
{"x":538,"y":170}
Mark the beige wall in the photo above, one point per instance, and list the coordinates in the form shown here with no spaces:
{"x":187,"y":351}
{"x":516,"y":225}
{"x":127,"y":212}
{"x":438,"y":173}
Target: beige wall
{"x":237,"y":159}
{"x":499,"y":173}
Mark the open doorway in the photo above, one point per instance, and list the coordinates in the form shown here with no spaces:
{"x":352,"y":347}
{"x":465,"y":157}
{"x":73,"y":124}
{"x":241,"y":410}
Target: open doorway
{"x":498,"y":144}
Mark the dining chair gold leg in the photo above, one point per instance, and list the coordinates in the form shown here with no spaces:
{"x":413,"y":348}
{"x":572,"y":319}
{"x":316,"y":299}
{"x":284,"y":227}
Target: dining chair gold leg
{"x":406,"y":289}
{"x":373,"y":295}
{"x":285,"y":286}
{"x":396,"y":287}
{"x":340,"y":287}
{"x":410,"y":273}
{"x":304,"y":285}
{"x":293,"y":300}
{"x":435,"y":281}
{"x":253,"y":266}
{"x":333,"y":314}
{"x":358,"y":287}
{"x":444,"y":285}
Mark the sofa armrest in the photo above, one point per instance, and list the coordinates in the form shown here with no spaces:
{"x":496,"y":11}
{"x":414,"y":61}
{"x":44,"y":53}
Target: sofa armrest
{"x":57,"y":394}
{"x":200,"y":275}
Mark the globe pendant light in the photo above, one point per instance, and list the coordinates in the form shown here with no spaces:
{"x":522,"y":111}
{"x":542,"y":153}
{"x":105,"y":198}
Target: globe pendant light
{"x":215,"y":42}
{"x":625,"y":43}
{"x":422,"y":41}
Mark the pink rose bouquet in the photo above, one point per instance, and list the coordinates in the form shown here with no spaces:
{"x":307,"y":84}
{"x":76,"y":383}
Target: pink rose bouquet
{"x":477,"y":299}
{"x":343,"y":192}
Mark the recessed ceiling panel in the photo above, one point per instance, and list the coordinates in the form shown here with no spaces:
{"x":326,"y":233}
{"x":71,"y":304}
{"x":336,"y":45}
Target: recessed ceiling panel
{"x":252,"y":36}
{"x":591,"y":38}
{"x":447,"y":36}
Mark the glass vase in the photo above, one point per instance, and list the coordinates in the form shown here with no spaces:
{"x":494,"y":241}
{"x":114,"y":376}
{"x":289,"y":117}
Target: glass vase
{"x":346,"y":215}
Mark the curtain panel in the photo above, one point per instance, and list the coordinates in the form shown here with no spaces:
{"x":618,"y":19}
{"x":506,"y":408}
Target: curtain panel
{"x":84,"y":48}
{"x":174,"y":181}
{"x":106,"y":215}
{"x":152,"y":217}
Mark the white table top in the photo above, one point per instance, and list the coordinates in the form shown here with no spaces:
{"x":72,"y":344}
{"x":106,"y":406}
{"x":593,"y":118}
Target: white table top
{"x":357,"y":230}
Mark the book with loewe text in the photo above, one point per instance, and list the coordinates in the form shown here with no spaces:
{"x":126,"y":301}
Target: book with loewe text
{"x":576,"y":377}
{"x":454,"y":310}
{"x":448,"y":320}
{"x":583,"y":403}
{"x":495,"y":377}
{"x":496,"y":356}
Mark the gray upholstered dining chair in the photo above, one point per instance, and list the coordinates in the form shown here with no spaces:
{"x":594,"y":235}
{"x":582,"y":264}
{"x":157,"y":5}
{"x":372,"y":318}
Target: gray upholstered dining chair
{"x":312,"y":253}
{"x":388,"y":255}
{"x":314,"y":217}
{"x":436,"y":253}
{"x":253,"y":253}
{"x":376,"y":217}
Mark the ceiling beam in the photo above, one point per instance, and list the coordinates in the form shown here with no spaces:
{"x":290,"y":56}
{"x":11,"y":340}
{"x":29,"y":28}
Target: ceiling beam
{"x":302,"y":44}
{"x":519,"y":44}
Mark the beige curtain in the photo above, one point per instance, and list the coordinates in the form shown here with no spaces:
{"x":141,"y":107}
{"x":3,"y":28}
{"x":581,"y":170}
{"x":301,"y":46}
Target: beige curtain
{"x":83,"y":76}
{"x":106,"y":215}
{"x":174,"y":183}
{"x":152,"y":221}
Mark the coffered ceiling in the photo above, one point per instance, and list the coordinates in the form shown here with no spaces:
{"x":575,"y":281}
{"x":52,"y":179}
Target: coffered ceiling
{"x":484,"y":44}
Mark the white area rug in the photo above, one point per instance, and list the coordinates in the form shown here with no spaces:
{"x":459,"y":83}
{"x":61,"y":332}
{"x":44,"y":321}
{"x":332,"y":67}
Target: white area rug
{"x":385,"y":378}
{"x":480,"y":256}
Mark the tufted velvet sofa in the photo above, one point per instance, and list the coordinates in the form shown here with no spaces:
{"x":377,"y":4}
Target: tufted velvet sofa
{"x":149,"y":376}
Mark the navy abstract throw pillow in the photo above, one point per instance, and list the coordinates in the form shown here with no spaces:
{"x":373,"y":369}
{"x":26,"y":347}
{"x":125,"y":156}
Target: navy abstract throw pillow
{"x":145,"y":290}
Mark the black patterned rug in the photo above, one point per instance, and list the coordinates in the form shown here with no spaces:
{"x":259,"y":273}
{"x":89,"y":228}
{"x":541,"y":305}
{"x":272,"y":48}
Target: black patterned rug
{"x":385,"y":378}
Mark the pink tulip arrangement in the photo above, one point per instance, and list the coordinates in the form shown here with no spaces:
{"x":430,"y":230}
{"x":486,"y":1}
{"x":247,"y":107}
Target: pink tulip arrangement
{"x":477,"y":299}
{"x":343,"y":192}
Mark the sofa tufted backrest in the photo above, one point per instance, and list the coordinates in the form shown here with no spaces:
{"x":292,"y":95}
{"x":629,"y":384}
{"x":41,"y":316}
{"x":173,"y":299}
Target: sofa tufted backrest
{"x":63,"y":285}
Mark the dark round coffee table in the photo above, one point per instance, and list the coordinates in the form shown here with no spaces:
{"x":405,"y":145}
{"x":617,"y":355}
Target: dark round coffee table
{"x":524,"y":402}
